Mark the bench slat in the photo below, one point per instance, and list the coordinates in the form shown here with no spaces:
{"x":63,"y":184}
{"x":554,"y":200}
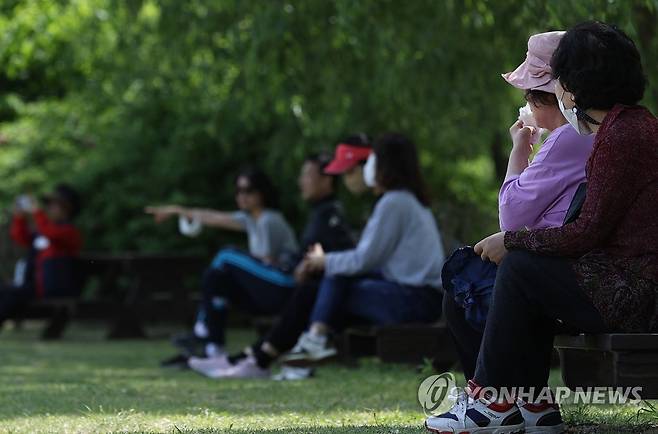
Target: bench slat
{"x":610,"y":342}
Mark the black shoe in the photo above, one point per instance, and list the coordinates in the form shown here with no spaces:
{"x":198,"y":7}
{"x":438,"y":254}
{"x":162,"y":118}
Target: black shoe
{"x":179,"y":361}
{"x":190,"y":345}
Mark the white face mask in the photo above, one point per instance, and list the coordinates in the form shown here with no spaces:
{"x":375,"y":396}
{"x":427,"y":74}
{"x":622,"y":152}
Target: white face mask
{"x":370,"y":171}
{"x":571,"y":117}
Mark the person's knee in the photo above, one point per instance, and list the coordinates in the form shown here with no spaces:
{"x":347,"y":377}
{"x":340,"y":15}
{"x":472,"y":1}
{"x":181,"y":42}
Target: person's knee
{"x":333,"y":282}
{"x":223,"y":257}
{"x":517,"y":263}
{"x":517,"y":273}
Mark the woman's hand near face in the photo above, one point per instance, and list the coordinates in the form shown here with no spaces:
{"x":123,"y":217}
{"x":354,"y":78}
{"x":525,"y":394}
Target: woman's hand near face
{"x":18,"y":212}
{"x":521,"y":136}
{"x":521,"y":149}
{"x":492,"y":248}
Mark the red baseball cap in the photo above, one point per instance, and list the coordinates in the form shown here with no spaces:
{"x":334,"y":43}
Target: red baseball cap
{"x":346,"y":158}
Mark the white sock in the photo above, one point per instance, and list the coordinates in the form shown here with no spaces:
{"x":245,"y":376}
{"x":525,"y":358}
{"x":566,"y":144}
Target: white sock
{"x":200,"y":330}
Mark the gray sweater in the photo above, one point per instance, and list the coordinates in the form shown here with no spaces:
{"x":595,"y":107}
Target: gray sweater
{"x":269,"y":236}
{"x":401,"y":240}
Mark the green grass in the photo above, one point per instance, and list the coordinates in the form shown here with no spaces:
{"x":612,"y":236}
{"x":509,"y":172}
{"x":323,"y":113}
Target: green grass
{"x":86,"y":384}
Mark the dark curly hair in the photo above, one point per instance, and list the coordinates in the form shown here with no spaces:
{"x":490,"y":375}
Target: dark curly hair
{"x":600,"y":65}
{"x":260,"y":183}
{"x":398,"y":166}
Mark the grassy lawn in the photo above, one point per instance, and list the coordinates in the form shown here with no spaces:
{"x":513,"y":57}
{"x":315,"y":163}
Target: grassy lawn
{"x":86,"y":384}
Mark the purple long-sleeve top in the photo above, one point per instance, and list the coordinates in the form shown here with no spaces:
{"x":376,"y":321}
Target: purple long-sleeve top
{"x":539,"y":197}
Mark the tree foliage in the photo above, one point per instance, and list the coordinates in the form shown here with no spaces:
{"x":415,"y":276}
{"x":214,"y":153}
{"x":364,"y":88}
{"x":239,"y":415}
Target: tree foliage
{"x":145,"y":101}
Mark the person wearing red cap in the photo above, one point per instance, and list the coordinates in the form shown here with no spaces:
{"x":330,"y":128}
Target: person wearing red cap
{"x":255,"y":361}
{"x":349,"y":159}
{"x":393,"y":275}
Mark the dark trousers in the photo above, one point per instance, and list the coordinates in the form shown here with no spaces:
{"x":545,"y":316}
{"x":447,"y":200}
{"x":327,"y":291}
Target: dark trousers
{"x":241,"y":280}
{"x":467,"y":338}
{"x":294,"y":318}
{"x":12,"y":301}
{"x":374,"y":300}
{"x":534,"y":297}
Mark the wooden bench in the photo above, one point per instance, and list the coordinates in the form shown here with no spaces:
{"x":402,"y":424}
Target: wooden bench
{"x":131,"y":289}
{"x":57,"y":313}
{"x":404,"y":343}
{"x":415,"y":343}
{"x":610,"y":360}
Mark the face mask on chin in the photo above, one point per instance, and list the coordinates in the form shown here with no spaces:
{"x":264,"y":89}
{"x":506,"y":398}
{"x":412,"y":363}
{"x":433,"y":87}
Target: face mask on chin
{"x":571,"y":116}
{"x":369,"y":171}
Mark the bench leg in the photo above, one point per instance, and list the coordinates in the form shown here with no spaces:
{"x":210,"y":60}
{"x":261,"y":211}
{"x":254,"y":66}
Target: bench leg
{"x":56,"y":324}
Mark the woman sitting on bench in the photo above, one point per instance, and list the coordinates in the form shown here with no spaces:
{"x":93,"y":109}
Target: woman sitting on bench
{"x":260,"y":281}
{"x":393,"y":276}
{"x":534,"y":195}
{"x":595,"y":275}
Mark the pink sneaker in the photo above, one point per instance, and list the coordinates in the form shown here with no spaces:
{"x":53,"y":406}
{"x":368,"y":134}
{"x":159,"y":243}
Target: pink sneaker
{"x":245,"y":368}
{"x":210,"y":366}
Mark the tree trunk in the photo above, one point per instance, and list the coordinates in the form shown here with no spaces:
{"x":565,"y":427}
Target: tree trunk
{"x":499,"y":156}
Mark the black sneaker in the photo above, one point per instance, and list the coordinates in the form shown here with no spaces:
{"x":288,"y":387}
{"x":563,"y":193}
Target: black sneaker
{"x":179,"y":361}
{"x":189,"y":344}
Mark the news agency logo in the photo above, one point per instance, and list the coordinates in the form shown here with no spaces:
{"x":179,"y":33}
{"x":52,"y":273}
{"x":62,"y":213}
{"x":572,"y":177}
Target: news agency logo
{"x":437,"y":394}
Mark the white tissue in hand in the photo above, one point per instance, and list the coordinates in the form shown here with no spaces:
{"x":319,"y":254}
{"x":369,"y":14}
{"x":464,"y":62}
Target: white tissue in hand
{"x":189,"y":227}
{"x":41,"y":243}
{"x":528,"y":119}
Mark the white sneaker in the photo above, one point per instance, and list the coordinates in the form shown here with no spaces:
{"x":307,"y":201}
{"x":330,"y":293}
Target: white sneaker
{"x":245,"y":368}
{"x":472,"y":413}
{"x":541,"y":418}
{"x":209,"y":366}
{"x":310,"y":349}
{"x":291,"y":373}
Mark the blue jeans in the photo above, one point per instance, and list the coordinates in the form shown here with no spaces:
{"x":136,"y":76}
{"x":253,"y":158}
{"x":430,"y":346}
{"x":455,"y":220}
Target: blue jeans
{"x":374,"y":300}
{"x":237,"y":278}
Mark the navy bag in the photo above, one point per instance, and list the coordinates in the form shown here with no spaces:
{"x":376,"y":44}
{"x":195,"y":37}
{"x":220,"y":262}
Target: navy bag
{"x":470,"y":281}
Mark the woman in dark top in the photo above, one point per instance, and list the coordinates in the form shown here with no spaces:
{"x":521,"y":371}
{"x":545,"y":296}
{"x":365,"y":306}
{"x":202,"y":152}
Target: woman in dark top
{"x":597,"y":274}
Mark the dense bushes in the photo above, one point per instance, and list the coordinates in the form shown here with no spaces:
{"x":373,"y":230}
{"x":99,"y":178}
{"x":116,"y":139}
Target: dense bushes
{"x":161,"y":101}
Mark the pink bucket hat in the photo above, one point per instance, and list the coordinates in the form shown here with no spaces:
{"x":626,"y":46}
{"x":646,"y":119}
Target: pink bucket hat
{"x":535,"y":72}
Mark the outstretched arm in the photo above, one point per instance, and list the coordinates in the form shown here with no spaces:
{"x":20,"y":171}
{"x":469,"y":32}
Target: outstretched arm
{"x":208,"y":217}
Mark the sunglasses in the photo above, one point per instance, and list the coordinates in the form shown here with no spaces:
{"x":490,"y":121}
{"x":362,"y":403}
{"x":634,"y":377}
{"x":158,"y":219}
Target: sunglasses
{"x":244,"y":190}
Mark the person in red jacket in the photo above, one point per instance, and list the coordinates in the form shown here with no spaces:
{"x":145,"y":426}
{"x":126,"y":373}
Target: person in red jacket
{"x":53,"y":244}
